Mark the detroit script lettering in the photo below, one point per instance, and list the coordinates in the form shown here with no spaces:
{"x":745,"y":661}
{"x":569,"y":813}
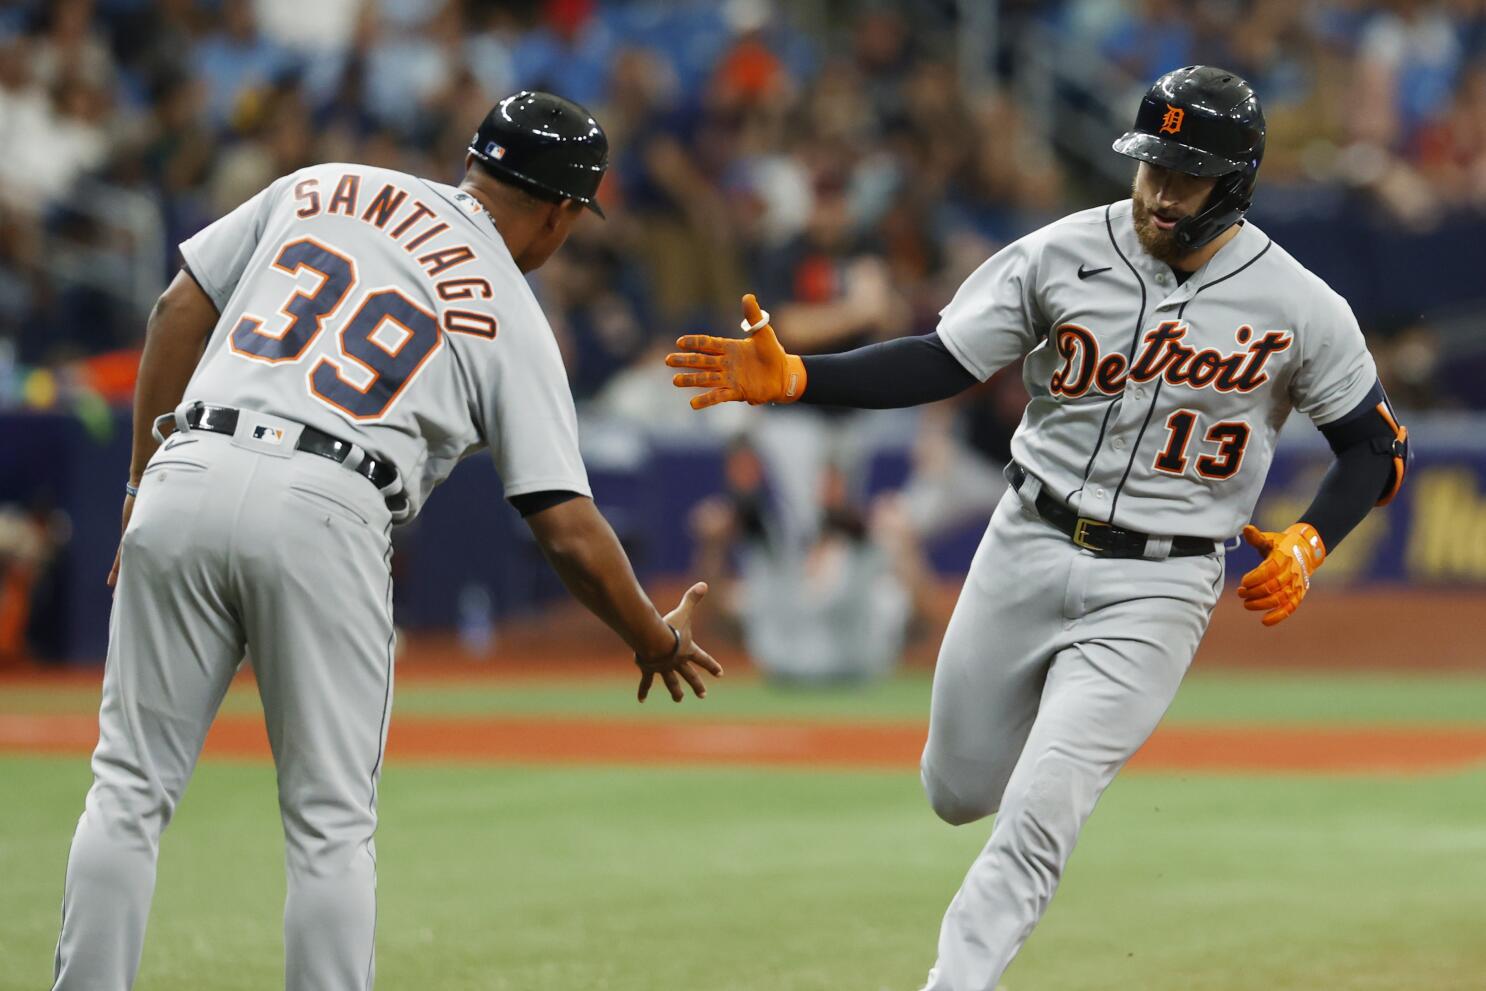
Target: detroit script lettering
{"x":1164,"y":355}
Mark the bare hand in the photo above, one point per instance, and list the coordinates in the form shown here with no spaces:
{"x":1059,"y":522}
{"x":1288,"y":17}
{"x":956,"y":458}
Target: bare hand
{"x":113,"y":573}
{"x":681,"y":665}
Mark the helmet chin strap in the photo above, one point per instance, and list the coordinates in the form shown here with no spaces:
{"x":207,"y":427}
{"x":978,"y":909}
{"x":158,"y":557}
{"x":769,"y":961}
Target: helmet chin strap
{"x":1220,"y":213}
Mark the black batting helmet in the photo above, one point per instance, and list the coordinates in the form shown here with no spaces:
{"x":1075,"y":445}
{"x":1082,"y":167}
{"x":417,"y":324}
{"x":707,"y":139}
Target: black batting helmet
{"x":549,"y":146}
{"x":1202,"y":121}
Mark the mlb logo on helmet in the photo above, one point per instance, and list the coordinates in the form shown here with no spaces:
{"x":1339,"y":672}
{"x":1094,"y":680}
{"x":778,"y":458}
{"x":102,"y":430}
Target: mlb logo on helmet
{"x":270,"y":435}
{"x":494,"y":150}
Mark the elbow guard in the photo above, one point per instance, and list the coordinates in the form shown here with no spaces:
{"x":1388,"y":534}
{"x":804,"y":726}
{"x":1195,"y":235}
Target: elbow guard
{"x":1374,"y":425}
{"x":1398,"y":448}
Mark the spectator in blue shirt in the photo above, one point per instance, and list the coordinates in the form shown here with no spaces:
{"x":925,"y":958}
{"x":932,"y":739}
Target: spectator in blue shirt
{"x":235,"y":60}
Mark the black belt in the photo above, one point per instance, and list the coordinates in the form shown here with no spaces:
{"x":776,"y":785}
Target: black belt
{"x":223,"y":420}
{"x":1104,"y":539}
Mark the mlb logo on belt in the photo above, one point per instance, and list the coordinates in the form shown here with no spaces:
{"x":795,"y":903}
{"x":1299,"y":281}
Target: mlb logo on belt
{"x":267,"y":434}
{"x":494,"y":150}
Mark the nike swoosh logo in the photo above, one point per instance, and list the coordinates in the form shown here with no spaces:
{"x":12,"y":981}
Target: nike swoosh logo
{"x":1084,"y":273}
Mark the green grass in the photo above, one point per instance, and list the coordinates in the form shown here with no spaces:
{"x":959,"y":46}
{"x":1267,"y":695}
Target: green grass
{"x":523,"y":879}
{"x":1206,"y":697}
{"x":727,"y":879}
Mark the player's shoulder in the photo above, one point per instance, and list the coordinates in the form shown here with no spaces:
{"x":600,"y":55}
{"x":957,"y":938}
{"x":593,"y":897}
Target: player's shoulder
{"x":1030,"y":257}
{"x":1292,"y":282}
{"x":1075,"y":235}
{"x":327,"y":178}
{"x":1277,"y":262}
{"x":335,"y":170}
{"x":351,"y":178}
{"x":1074,"y":228}
{"x":1097,"y":218}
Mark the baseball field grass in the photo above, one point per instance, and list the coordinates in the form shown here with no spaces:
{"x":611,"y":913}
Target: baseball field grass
{"x":644,"y":876}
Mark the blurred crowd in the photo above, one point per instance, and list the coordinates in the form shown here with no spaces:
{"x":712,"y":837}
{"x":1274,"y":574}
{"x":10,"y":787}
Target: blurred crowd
{"x":1389,"y":95}
{"x":840,"y":158}
{"x":850,"y":161}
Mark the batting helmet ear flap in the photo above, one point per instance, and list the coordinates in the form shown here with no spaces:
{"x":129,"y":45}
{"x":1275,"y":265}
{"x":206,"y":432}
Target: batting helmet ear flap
{"x":1225,"y":206}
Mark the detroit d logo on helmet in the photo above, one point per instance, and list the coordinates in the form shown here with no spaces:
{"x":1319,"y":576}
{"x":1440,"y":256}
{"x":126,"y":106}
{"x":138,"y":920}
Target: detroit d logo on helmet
{"x":1172,"y":122}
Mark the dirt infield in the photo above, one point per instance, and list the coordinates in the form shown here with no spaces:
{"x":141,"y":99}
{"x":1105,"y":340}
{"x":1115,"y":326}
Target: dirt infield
{"x":1343,"y":630}
{"x":1174,"y":748}
{"x":1339,"y":631}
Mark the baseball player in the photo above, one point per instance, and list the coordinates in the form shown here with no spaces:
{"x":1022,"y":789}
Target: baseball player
{"x":1166,"y":341}
{"x":328,"y":354}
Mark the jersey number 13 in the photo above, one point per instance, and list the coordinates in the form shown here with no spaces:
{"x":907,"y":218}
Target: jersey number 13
{"x":1230,"y":436}
{"x":382,"y":345}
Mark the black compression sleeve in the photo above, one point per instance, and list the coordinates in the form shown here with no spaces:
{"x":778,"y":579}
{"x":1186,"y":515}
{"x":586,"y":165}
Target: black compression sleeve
{"x":1348,"y":493}
{"x":187,"y":269}
{"x":1362,"y":473}
{"x":907,"y":371}
{"x":535,"y":502}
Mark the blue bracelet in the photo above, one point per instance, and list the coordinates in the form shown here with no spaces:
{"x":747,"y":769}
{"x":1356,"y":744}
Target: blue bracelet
{"x":131,"y":489}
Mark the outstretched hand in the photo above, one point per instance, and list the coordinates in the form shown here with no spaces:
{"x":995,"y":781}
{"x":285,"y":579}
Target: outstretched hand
{"x":682,"y":663}
{"x":753,"y":369}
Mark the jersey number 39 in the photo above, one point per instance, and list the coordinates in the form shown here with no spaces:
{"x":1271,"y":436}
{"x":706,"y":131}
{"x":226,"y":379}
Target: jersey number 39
{"x":383,"y":344}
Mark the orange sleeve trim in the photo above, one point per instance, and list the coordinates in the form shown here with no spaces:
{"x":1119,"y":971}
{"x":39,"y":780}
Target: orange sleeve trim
{"x":1400,"y":465}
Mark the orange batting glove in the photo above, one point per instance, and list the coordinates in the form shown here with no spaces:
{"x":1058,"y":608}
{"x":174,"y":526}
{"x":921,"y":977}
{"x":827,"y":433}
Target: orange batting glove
{"x":1276,"y":587}
{"x":754,"y":369}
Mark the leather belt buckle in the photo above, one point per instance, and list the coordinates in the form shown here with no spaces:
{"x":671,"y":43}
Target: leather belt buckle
{"x":1081,"y":530}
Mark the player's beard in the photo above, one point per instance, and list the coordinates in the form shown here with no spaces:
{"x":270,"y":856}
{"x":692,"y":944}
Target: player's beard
{"x":1160,"y":245}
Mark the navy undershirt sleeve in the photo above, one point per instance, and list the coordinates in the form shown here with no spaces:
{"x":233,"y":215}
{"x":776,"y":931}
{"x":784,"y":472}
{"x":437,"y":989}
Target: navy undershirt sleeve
{"x":187,"y":269}
{"x":906,"y":371}
{"x":1363,"y":471}
{"x":534,"y":502}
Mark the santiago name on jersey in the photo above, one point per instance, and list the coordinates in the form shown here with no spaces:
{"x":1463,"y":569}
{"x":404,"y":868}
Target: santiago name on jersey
{"x":1154,"y":405}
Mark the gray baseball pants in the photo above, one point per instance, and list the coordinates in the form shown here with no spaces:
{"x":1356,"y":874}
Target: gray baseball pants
{"x":1056,"y":666}
{"x":240,"y":544}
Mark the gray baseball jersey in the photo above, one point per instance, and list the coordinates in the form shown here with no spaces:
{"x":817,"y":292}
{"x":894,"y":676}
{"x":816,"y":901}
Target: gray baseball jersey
{"x":1154,"y":405}
{"x":385,"y":309}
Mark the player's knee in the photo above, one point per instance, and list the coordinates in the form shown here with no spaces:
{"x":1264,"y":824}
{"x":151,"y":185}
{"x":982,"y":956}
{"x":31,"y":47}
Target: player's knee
{"x":326,"y":856}
{"x":954,"y":810}
{"x":129,"y":812}
{"x":328,"y":844}
{"x":1031,"y":845}
{"x":1040,"y":822}
{"x":949,"y":804}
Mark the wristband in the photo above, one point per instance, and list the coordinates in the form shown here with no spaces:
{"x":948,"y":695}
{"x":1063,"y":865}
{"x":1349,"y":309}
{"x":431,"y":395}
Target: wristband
{"x":675,"y":648}
{"x":132,"y":490}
